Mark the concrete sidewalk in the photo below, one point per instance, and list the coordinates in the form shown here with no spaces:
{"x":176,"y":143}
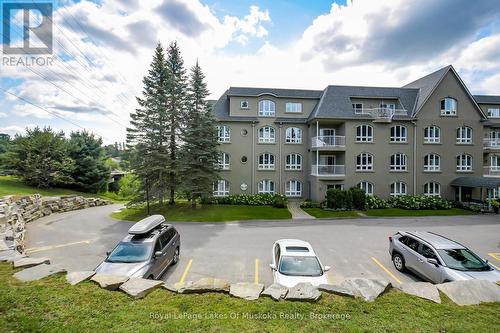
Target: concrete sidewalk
{"x":297,"y":212}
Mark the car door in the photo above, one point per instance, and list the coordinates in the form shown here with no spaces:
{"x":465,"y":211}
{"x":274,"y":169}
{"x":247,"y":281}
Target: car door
{"x":410,"y":252}
{"x":156,"y":260}
{"x":276,"y":260}
{"x":430,"y":271}
{"x":170,"y":241}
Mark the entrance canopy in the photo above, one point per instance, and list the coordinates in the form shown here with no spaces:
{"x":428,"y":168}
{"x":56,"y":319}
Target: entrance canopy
{"x":476,"y":181}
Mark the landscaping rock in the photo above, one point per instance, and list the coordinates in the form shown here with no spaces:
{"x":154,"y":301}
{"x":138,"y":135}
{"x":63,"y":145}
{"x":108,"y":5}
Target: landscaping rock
{"x":246,"y":290}
{"x":369,"y":289}
{"x":38,"y":272}
{"x":421,"y":289}
{"x":75,"y":278}
{"x":337,"y":290}
{"x":303,"y":292}
{"x":469,"y":292}
{"x":203,"y":285}
{"x":11,"y":255}
{"x":276,"y":291}
{"x":30,"y":262}
{"x":3,"y":245}
{"x":170,"y":287}
{"x":139,"y":287}
{"x":109,"y":281}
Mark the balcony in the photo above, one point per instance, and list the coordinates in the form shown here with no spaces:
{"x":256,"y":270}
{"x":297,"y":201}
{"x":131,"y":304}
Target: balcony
{"x":491,"y":143}
{"x":328,"y":142}
{"x":492,"y":171}
{"x":328,"y":171}
{"x":381,"y":114}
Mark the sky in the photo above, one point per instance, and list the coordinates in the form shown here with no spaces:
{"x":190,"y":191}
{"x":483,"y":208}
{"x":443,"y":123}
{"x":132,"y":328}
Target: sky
{"x":103,"y":49}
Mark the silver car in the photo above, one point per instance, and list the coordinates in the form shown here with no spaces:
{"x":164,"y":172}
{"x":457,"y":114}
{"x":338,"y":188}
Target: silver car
{"x":438,"y":259}
{"x":147,"y":251}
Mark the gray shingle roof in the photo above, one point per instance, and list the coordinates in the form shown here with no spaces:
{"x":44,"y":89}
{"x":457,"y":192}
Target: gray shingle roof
{"x":221,"y":111}
{"x":476,"y":181}
{"x":487,"y":99}
{"x":290,"y":93}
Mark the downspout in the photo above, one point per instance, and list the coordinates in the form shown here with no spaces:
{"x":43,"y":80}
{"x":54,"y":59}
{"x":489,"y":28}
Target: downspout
{"x":253,"y":159}
{"x":279,"y":159}
{"x":414,"y":157}
{"x":317,"y":150}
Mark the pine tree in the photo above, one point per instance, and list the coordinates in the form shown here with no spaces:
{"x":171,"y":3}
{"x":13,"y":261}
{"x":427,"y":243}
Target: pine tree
{"x":199,"y":150}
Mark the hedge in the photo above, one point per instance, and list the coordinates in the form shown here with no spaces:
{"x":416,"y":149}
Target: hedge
{"x":263,"y":199}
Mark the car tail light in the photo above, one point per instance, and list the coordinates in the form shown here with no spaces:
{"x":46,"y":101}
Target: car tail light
{"x":390,"y":239}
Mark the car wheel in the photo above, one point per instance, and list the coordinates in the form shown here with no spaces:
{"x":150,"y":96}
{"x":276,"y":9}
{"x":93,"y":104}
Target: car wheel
{"x":398,"y":262}
{"x":176,"y":256}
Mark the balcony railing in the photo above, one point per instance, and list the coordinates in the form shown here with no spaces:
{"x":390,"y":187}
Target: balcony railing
{"x":491,"y":143}
{"x":328,"y":141}
{"x":381,"y":113}
{"x":328,"y":170}
{"x":492,"y":171}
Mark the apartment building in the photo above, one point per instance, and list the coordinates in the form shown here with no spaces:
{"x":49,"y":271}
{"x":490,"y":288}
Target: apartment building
{"x":429,"y":137}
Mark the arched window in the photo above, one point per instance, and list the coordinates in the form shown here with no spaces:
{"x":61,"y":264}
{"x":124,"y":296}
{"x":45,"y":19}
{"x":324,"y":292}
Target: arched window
{"x":432,"y":134}
{"x":448,"y":106}
{"x":224,"y":161}
{"x":464,"y":135}
{"x":267,"y":108}
{"x":364,"y":162}
{"x":367,"y":187}
{"x":266,"y":161}
{"x":364,"y":133}
{"x":432,"y":162}
{"x":266,"y":186}
{"x":293,"y":162}
{"x":221,"y":188}
{"x":223,"y":133}
{"x":398,"y":188}
{"x":398,"y":162}
{"x":398,"y":133}
{"x":293,"y":188}
{"x":464,"y":162}
{"x":267,"y":134}
{"x":293,"y":135}
{"x":432,"y":189}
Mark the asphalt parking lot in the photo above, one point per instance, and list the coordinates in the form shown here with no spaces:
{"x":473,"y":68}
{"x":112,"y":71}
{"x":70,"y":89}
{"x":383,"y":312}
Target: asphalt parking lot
{"x":242,"y":251}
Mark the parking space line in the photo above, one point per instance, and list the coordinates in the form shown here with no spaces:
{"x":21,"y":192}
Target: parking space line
{"x":186,"y":271}
{"x":498,"y":269}
{"x":386,"y":270}
{"x":495,"y":255}
{"x":51,"y":247}
{"x":256,"y":270}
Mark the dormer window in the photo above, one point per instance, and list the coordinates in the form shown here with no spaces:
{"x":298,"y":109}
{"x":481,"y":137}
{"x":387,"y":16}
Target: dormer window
{"x":267,"y":108}
{"x":244,"y":105}
{"x":293,"y":107}
{"x":357,"y":107}
{"x":449,"y":107}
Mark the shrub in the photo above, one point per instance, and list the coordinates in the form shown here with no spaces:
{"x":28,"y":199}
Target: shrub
{"x":338,"y":199}
{"x":311,"y":204}
{"x":279,"y":201}
{"x":374,"y":202}
{"x":358,"y":198}
{"x":263,"y":199}
{"x":416,"y":202}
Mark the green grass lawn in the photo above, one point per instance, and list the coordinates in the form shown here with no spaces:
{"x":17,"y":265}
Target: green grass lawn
{"x":52,"y":305}
{"x":424,"y":212}
{"x":206,"y":213}
{"x":321,"y":213}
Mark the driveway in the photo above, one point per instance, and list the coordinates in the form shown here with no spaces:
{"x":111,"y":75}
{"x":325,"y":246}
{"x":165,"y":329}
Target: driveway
{"x":241,"y":251}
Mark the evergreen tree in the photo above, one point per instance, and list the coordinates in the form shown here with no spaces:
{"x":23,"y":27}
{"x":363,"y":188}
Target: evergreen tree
{"x":199,"y":149}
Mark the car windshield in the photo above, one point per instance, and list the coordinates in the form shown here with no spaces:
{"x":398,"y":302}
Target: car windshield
{"x":463,"y":260}
{"x":130,"y":252}
{"x":300,"y":266}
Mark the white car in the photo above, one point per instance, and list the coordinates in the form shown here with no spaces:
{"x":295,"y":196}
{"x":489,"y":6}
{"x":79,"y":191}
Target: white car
{"x":294,"y":261}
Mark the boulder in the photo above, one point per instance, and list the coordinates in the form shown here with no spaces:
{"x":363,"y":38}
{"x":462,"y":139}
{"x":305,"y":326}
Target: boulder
{"x":3,"y":245}
{"x":276,"y":291}
{"x":246,"y":290}
{"x":337,"y":290}
{"x":38,"y":272}
{"x":109,"y":281}
{"x":139,"y":287}
{"x":171,"y":287}
{"x":369,"y":289}
{"x":30,"y":262}
{"x":303,"y":292}
{"x":470,"y":292}
{"x":203,"y":285}
{"x":421,"y":289}
{"x":75,"y":278}
{"x":11,"y":255}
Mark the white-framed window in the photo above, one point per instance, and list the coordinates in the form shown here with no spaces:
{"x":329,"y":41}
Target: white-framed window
{"x":464,"y":135}
{"x":432,"y":189}
{"x":364,"y":162}
{"x":293,"y":107}
{"x":398,"y":162}
{"x":464,"y":162}
{"x":432,"y":134}
{"x":223,"y":133}
{"x":244,"y":105}
{"x":357,"y":107}
{"x":364,"y":133}
{"x":293,"y":135}
{"x":494,"y":112}
{"x":267,"y":134}
{"x":432,"y":162}
{"x":390,"y":106}
{"x":448,"y":106}
{"x":293,"y":162}
{"x":399,"y":133}
{"x":367,"y":187}
{"x":495,"y":163}
{"x":224,"y":161}
{"x":398,"y":188}
{"x":267,"y":108}
{"x":293,"y":188}
{"x":266,"y":186}
{"x":493,"y":193}
{"x":221,"y":188}
{"x":266,"y":161}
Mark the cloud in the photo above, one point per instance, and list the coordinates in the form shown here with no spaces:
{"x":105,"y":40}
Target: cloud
{"x":14,"y":129}
{"x":3,"y":115}
{"x":143,"y":32}
{"x":179,"y":16}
